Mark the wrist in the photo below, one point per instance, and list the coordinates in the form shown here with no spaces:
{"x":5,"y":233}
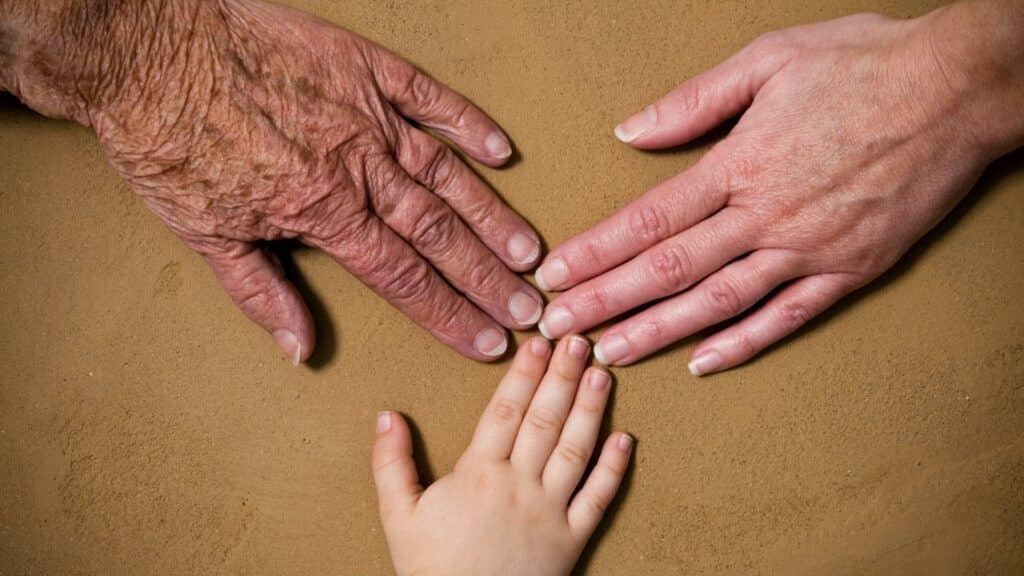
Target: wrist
{"x":979,"y":50}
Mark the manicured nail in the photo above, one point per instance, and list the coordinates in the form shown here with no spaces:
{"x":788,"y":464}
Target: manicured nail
{"x":538,"y":346}
{"x":551,"y":274}
{"x":525,"y":309}
{"x":523,"y":249}
{"x":705,"y":363}
{"x":578,"y":347}
{"x":557,"y":322}
{"x":599,"y":379}
{"x":637,"y":125}
{"x":625,"y":442}
{"x":498,"y":145}
{"x":290,"y":344}
{"x":383,"y":422}
{"x":490,"y":342}
{"x":610,"y":349}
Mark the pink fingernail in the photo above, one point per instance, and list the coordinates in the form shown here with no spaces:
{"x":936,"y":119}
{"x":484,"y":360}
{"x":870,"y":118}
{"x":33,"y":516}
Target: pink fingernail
{"x":579,"y":348}
{"x":490,"y":342}
{"x":383,"y":422}
{"x":637,"y":125}
{"x":625,"y":442}
{"x":710,"y":361}
{"x":523,"y":249}
{"x":498,"y":145}
{"x":557,"y":322}
{"x":599,"y":380}
{"x":290,"y":344}
{"x":610,"y":349}
{"x":524,"y":308}
{"x":538,"y":346}
{"x":552,"y":274}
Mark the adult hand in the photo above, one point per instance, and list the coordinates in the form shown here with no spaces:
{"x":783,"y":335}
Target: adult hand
{"x":511,"y":505}
{"x":858,"y":136}
{"x":239,"y":121}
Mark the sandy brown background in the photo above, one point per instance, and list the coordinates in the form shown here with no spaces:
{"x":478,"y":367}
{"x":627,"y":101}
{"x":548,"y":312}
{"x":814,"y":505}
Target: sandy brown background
{"x":146,"y":427}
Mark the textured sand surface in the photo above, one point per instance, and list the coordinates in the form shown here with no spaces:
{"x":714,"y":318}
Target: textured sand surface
{"x":146,"y":427}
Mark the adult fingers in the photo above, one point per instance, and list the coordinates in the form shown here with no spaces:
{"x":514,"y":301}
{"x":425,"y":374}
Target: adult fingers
{"x":665,"y":269}
{"x":394,"y":471}
{"x":436,"y":167}
{"x":589,"y":504}
{"x":783,"y":314}
{"x":256,"y":282}
{"x":719,"y":297}
{"x":704,"y":101}
{"x":576,"y":445}
{"x":425,"y":100}
{"x":373,"y":253}
{"x":496,"y":432}
{"x":543,"y":421}
{"x":664,"y":211}
{"x":436,"y":232}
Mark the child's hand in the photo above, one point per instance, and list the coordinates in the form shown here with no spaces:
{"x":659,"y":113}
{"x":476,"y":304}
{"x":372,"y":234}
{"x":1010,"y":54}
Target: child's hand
{"x":509,"y":506}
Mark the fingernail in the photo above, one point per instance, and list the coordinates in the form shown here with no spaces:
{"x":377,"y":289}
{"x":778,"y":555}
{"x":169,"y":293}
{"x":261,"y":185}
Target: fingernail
{"x":579,"y":347}
{"x":290,"y":344}
{"x":610,"y":349}
{"x":556,"y":323}
{"x":498,"y":145}
{"x":383,"y":422}
{"x":490,"y":342}
{"x":707,"y":362}
{"x":523,"y":249}
{"x":538,"y":346}
{"x":637,"y":125}
{"x":625,"y":442}
{"x":525,"y":309}
{"x":599,"y":380}
{"x":551,"y":274}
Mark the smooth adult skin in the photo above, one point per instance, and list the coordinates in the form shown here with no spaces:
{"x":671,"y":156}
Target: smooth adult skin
{"x":511,"y":505}
{"x":238,"y":121}
{"x":857,"y":136}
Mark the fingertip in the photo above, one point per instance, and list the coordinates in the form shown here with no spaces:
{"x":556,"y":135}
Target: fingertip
{"x":384,"y":422}
{"x":636,"y":127}
{"x":624,"y":442}
{"x":498,"y":147}
{"x":704,"y":363}
{"x":490,"y":344}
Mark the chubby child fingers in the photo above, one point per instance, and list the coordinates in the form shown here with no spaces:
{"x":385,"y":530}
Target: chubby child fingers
{"x":394,"y":471}
{"x":569,"y":460}
{"x":591,"y":502}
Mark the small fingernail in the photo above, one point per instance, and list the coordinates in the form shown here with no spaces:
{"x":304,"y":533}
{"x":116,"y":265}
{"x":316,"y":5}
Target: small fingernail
{"x":525,"y":309}
{"x":610,"y":349}
{"x":705,"y":363}
{"x":557,"y":322}
{"x":538,"y":346}
{"x":490,"y":342}
{"x":523,"y":249}
{"x":551,"y":274}
{"x":637,"y":125}
{"x":599,"y":380}
{"x":383,"y":422}
{"x":497,"y":144}
{"x":579,"y":347}
{"x":625,"y":442}
{"x":290,"y":344}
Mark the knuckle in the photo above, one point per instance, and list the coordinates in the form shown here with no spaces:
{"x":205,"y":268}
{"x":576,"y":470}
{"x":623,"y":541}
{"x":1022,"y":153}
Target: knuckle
{"x":506,"y":410}
{"x":670,"y":267}
{"x":746,"y":345}
{"x":691,"y":95}
{"x":484,"y":278}
{"x":794,"y":315}
{"x":648,"y":225}
{"x":409,"y":283}
{"x":724,"y":298}
{"x":573,"y":453}
{"x":591,"y":303}
{"x":422,"y":89}
{"x":437,"y":166}
{"x":543,"y":419}
{"x":596,"y":505}
{"x":436,"y":230}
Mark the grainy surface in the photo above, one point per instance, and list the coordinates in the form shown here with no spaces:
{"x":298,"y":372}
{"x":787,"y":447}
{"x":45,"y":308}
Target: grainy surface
{"x":146,"y":427}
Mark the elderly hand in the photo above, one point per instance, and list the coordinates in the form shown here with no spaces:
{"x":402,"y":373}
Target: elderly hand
{"x":239,"y":121}
{"x":858,"y":136}
{"x":521,"y":500}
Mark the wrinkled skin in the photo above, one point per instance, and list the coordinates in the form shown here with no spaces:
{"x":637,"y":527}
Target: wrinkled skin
{"x":240,"y":122}
{"x":857,"y":136}
{"x":511,"y":505}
